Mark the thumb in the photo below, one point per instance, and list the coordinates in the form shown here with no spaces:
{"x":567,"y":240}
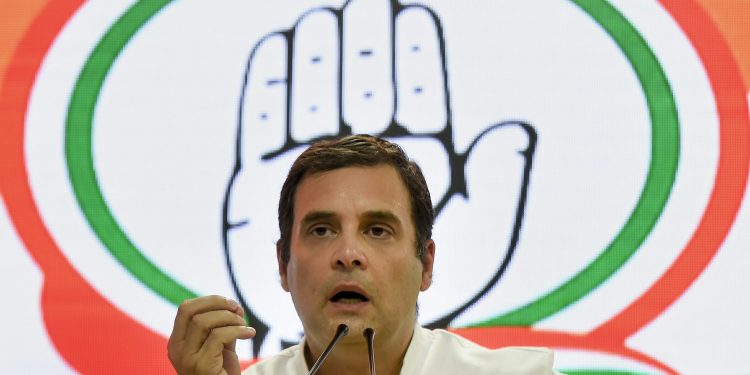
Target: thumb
{"x":231,"y":360}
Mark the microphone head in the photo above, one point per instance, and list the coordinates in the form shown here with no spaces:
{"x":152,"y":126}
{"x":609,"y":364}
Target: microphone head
{"x":368,"y":332}
{"x":342,"y":330}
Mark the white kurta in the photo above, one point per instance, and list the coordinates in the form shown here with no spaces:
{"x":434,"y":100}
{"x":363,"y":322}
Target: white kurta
{"x":433,"y":352}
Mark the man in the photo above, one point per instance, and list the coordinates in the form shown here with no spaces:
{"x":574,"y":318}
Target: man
{"x":355,"y":218}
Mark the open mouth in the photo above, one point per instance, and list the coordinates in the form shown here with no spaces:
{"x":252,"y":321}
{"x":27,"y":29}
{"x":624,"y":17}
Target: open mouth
{"x":348,"y":297}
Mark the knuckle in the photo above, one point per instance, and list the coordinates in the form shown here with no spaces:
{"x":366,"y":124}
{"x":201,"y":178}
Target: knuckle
{"x":173,"y":357}
{"x":240,"y":320}
{"x":173,"y":347}
{"x":184,"y":306}
{"x":200,"y":322}
{"x":226,"y":316}
{"x":232,"y":317}
{"x":214,"y":299}
{"x":229,"y":318}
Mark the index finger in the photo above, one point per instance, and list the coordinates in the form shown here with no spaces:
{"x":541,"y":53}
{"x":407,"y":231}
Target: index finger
{"x":263,"y":103}
{"x":191,"y":307}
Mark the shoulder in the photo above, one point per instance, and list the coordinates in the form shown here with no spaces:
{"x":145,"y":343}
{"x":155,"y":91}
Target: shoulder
{"x":442,"y":339}
{"x":287,"y":361}
{"x":443,"y":352}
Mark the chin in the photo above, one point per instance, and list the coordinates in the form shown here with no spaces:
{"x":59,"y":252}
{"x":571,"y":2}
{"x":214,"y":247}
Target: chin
{"x":356,"y":326}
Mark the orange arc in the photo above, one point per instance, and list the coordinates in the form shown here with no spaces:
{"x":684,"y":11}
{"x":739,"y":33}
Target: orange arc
{"x":88,"y":332}
{"x":733,"y":21}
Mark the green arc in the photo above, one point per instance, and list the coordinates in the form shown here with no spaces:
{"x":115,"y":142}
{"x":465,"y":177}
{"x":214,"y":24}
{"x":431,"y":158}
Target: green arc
{"x":80,"y":157}
{"x":659,"y":181}
{"x":663,"y":165}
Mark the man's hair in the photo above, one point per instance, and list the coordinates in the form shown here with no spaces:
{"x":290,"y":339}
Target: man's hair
{"x":356,"y":151}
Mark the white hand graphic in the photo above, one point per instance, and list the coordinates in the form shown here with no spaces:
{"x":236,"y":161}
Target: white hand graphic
{"x":376,"y":67}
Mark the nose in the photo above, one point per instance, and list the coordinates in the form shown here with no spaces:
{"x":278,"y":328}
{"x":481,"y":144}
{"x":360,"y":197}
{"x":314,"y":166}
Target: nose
{"x":349,"y":255}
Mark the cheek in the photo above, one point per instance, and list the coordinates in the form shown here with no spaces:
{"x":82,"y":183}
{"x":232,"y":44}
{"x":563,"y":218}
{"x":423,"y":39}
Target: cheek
{"x":407,"y":280}
{"x":292,"y":276}
{"x":301,"y":280}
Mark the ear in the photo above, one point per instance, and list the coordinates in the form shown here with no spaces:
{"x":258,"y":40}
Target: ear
{"x":427,"y":262}
{"x":282,"y":268}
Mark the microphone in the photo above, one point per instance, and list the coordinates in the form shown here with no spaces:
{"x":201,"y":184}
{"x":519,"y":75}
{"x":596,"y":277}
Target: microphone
{"x":369,"y":334}
{"x":341,"y":331}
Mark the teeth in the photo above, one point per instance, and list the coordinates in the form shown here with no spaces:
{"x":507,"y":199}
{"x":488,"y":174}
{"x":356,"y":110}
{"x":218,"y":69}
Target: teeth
{"x":349,"y":301}
{"x":348,"y":298}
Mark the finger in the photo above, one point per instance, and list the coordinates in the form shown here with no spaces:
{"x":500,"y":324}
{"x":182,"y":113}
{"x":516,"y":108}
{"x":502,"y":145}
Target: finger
{"x":263,"y":115}
{"x":494,"y":175}
{"x":202,"y":325}
{"x":315,"y":76}
{"x":191,"y":307}
{"x":420,"y":76}
{"x":368,"y":95}
{"x":262,"y":119}
{"x":221,"y":339}
{"x":231,"y":361}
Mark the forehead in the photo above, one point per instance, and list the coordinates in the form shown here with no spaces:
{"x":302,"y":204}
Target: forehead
{"x":353,"y":189}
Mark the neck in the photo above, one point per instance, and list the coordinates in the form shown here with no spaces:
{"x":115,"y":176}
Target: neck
{"x":350,"y":356}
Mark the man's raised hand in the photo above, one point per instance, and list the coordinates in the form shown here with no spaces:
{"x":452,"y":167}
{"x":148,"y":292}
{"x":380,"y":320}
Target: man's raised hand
{"x":204,"y":336}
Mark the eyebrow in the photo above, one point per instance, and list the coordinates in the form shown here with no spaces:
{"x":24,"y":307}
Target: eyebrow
{"x":316,"y":216}
{"x":382,"y":216}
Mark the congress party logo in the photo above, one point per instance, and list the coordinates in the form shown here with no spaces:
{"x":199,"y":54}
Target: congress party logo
{"x":558,"y":145}
{"x":376,"y":68}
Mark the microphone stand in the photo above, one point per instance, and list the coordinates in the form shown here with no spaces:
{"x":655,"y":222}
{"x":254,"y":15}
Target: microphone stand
{"x":370,"y":337}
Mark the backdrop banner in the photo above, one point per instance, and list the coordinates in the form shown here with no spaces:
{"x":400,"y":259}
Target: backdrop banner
{"x":587,"y":159}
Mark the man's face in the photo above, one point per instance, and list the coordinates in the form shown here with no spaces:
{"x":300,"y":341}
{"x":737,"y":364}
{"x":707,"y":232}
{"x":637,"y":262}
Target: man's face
{"x":353,"y":257}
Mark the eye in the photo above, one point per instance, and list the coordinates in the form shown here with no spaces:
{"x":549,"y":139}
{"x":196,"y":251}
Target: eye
{"x":321,"y":231}
{"x":378,"y":231}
